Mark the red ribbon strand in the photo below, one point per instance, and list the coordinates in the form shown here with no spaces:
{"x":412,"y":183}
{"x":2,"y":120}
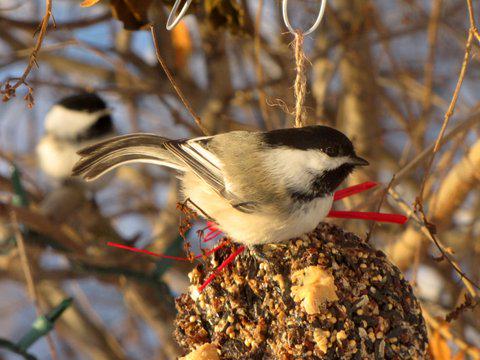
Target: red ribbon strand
{"x":163,"y":256}
{"x":352,"y":190}
{"x":221,"y":267}
{"x":380,"y":217}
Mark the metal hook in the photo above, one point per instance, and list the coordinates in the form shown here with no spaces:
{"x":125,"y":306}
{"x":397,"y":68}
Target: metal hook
{"x":314,"y":26}
{"x":172,"y":23}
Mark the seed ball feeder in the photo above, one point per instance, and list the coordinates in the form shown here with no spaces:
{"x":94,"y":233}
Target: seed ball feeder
{"x":326,"y":295}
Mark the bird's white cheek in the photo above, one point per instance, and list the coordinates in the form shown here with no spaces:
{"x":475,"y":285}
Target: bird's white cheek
{"x":290,"y":166}
{"x":297,"y":168}
{"x":66,"y":123}
{"x":321,"y":162}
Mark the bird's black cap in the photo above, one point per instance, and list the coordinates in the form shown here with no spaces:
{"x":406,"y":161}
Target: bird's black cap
{"x":88,"y":102}
{"x":329,"y":140}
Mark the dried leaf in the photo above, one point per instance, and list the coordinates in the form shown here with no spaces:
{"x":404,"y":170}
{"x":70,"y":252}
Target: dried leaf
{"x":88,"y":3}
{"x":182,"y":44}
{"x":439,"y":348}
{"x":316,"y":287}
{"x":468,"y":303}
{"x":133,"y":13}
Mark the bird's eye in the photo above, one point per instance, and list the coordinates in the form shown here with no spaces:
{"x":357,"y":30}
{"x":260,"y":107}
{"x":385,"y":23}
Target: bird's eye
{"x":331,"y":151}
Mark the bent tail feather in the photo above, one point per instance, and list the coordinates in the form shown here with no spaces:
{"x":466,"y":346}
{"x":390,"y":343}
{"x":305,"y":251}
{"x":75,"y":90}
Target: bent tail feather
{"x":97,"y":159}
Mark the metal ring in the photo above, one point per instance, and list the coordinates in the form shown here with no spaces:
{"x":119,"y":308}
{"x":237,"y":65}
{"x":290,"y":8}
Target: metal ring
{"x":314,"y":26}
{"x":172,"y":23}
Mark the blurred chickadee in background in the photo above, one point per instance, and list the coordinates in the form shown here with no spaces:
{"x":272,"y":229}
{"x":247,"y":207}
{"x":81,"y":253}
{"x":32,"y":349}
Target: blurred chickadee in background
{"x":71,"y":124}
{"x":259,"y":187}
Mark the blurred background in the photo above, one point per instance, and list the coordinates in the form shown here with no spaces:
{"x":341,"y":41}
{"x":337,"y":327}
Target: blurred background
{"x":390,"y":74}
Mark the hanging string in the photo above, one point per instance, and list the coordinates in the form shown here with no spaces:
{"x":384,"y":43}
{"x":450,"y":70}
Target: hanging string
{"x":300,"y":86}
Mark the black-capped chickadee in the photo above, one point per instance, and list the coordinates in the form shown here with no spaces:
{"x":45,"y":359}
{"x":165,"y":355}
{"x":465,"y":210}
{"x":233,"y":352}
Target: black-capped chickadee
{"x":259,"y":187}
{"x":71,"y":124}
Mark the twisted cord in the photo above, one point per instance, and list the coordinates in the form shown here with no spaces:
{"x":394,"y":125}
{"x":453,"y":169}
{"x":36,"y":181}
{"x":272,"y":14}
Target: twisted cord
{"x":300,"y":86}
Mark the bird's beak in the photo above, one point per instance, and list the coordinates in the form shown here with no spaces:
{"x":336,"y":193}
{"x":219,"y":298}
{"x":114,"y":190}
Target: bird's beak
{"x":358,"y":161}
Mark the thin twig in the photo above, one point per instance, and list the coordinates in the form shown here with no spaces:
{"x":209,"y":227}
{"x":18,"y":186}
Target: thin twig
{"x":379,"y":207}
{"x":29,"y":277}
{"x":461,"y":127}
{"x":24,"y":260}
{"x":184,"y":100}
{"x":429,"y":67}
{"x":398,"y":71}
{"x":449,"y":112}
{"x":426,"y":230}
{"x":262,"y":98}
{"x":471,"y":14}
{"x":473,"y":25}
{"x":443,"y":251}
{"x":70,"y":25}
{"x":446,"y":334}
{"x":9,"y":90}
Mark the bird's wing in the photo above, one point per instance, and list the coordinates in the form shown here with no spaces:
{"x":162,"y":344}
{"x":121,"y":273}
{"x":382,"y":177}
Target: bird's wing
{"x":195,"y":154}
{"x":200,"y":160}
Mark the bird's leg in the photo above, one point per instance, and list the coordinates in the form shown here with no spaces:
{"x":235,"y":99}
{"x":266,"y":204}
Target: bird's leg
{"x":257,"y":252}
